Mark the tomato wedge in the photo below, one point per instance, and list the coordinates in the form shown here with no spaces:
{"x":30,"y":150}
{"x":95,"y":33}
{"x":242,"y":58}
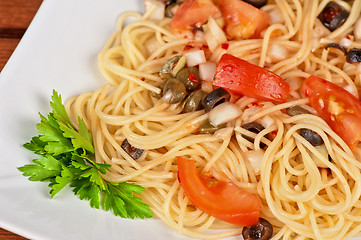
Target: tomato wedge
{"x":243,"y":20}
{"x":223,"y":200}
{"x":192,"y":13}
{"x":244,"y":78}
{"x":339,"y":108}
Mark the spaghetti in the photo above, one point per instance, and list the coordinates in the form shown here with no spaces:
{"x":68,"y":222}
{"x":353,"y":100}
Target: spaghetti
{"x":304,"y":194}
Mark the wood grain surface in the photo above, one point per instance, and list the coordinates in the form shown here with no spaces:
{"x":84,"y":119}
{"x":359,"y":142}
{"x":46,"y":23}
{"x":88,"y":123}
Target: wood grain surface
{"x":15,"y":17}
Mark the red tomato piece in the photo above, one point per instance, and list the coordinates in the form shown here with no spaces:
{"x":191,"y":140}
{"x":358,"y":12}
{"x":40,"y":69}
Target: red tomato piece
{"x":223,"y":200}
{"x":243,"y":20}
{"x":244,"y":78}
{"x":339,"y":108}
{"x":193,"y":13}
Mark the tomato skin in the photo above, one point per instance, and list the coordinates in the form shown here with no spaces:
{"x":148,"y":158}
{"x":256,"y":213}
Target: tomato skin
{"x":244,"y":78}
{"x":346,"y":122}
{"x":223,"y":200}
{"x":243,"y":20}
{"x":191,"y":13}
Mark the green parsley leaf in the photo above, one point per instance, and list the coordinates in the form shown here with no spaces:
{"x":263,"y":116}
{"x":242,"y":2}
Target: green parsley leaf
{"x":66,"y":158}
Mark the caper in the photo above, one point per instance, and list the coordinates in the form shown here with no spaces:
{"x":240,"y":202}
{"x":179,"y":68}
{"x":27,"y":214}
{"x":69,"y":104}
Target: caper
{"x":157,"y":95}
{"x":311,"y":136}
{"x":189,"y":77}
{"x":207,"y":127}
{"x":215,"y":98}
{"x":174,"y":91}
{"x":296,"y":110}
{"x":194,"y":101}
{"x":257,"y":3}
{"x":263,"y":230}
{"x":167,"y":68}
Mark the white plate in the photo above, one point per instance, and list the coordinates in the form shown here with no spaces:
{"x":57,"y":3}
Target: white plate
{"x":57,"y":52}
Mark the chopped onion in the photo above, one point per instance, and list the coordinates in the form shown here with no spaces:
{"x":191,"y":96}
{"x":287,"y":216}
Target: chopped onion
{"x":216,"y":31}
{"x":207,"y":87}
{"x":224,"y":113}
{"x":344,"y":42}
{"x":156,"y":9}
{"x":207,"y":71}
{"x":277,"y":52}
{"x":255,"y":159}
{"x":214,"y":34}
{"x":152,"y":44}
{"x":199,"y":36}
{"x":194,"y":58}
{"x":224,"y":133}
{"x":276,"y":16}
{"x":267,"y":121}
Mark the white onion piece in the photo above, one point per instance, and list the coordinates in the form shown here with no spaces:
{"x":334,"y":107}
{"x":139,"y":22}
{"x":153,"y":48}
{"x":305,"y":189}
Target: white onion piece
{"x":216,"y":31}
{"x":224,"y":133}
{"x":224,"y":113}
{"x":267,"y":121}
{"x":194,"y":58}
{"x":255,"y":159}
{"x":207,"y":87}
{"x":152,"y":44}
{"x":214,"y":34}
{"x":199,"y":36}
{"x":276,"y":16}
{"x":276,"y":52}
{"x":157,"y":9}
{"x":344,"y":42}
{"x":207,"y":71}
{"x":211,"y":41}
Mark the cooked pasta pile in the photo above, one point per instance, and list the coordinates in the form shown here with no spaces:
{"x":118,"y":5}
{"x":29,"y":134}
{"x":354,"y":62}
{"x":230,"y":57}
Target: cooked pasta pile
{"x":305,"y":194}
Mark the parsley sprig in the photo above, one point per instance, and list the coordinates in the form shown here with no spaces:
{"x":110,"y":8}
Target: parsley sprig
{"x":66,"y":155}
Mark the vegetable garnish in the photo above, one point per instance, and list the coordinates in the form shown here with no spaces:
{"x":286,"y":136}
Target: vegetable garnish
{"x":66,"y":158}
{"x":223,"y":200}
{"x":241,"y":77}
{"x":339,"y":108}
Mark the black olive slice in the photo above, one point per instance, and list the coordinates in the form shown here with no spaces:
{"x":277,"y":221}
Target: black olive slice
{"x":255,"y":128}
{"x":333,"y":16}
{"x":338,"y":46}
{"x":311,"y":136}
{"x":135,"y":153}
{"x":262,"y":231}
{"x":257,"y":3}
{"x":353,"y":55}
{"x":215,"y":98}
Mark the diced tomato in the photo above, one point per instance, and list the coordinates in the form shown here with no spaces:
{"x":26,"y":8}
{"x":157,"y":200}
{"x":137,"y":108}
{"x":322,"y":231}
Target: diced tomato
{"x":244,"y":78}
{"x":339,"y":108}
{"x":223,"y":200}
{"x":243,"y":20}
{"x":193,"y":13}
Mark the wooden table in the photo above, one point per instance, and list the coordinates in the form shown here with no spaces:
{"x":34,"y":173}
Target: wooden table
{"x":15,"y":17}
